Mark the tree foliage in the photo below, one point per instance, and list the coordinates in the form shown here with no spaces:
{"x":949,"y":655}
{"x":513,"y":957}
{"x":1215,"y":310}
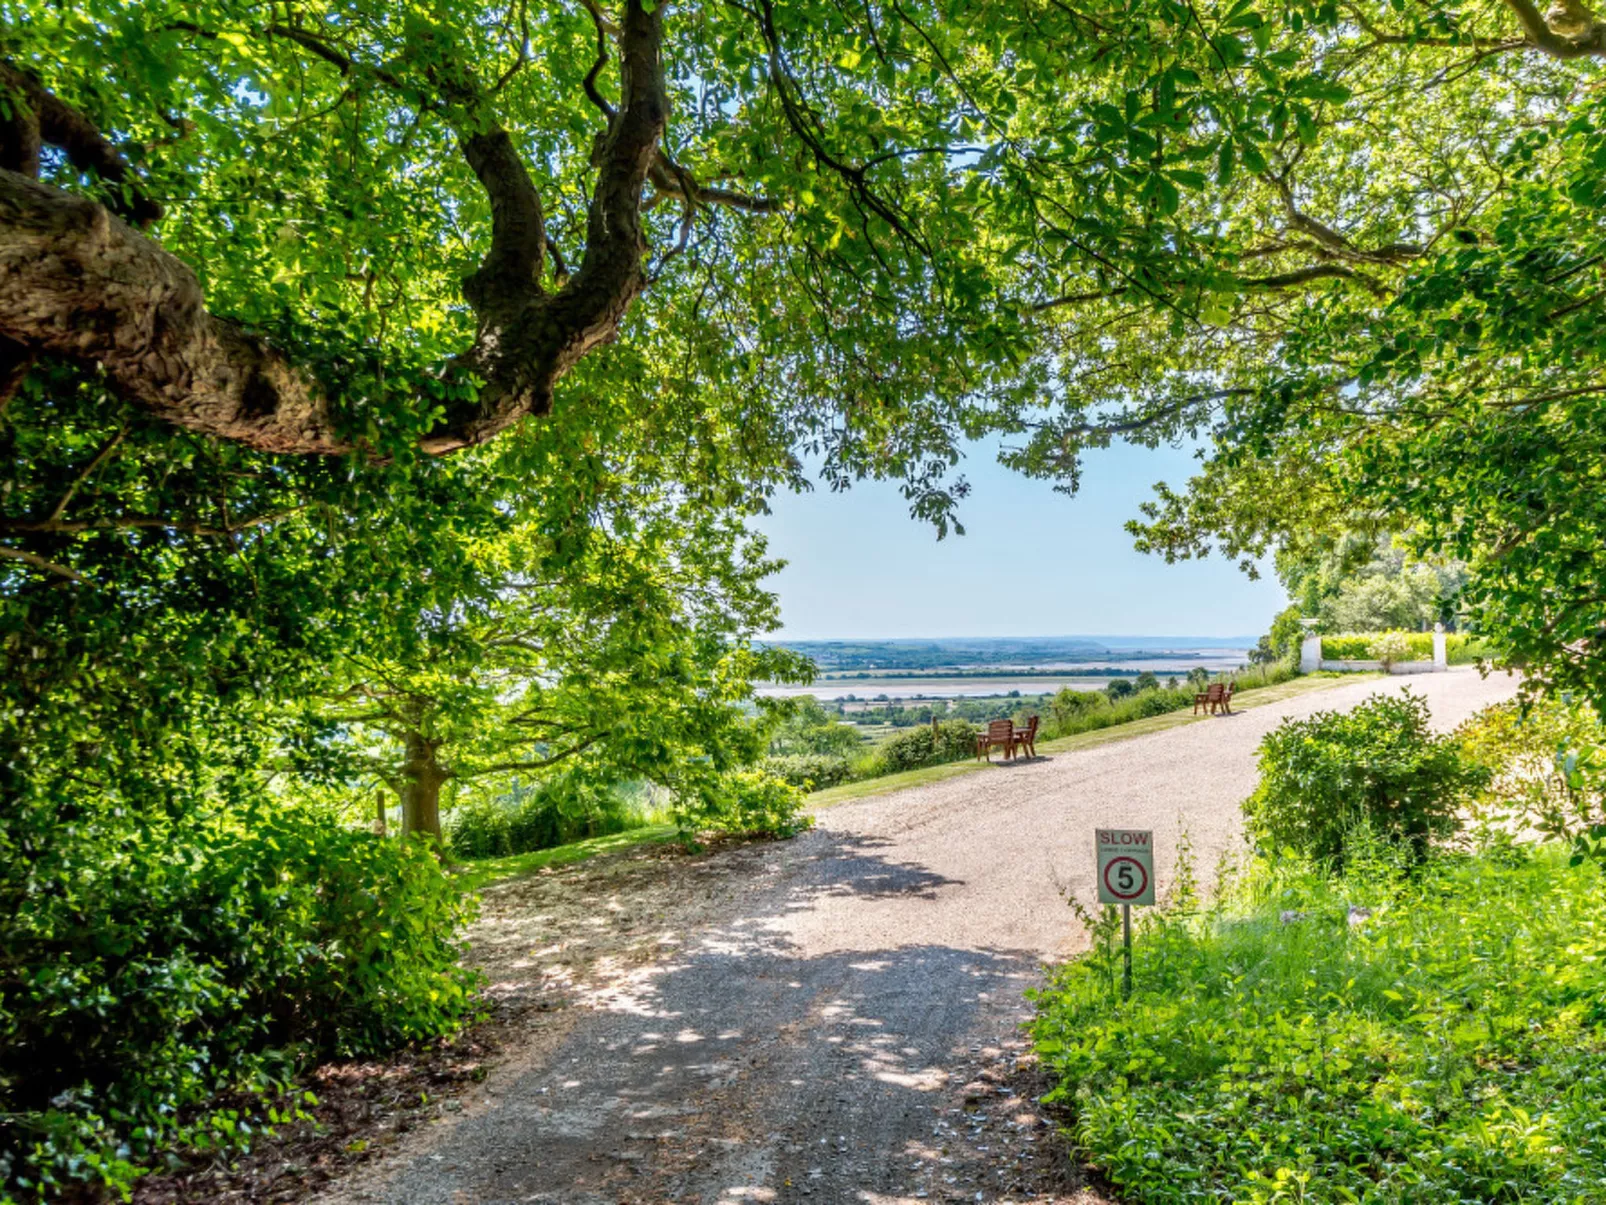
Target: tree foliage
{"x":1352,"y":246}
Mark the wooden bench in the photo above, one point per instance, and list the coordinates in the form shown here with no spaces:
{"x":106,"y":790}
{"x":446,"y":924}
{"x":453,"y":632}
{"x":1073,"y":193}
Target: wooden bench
{"x":1000,"y":733}
{"x":1026,"y":738}
{"x":1218,"y":695}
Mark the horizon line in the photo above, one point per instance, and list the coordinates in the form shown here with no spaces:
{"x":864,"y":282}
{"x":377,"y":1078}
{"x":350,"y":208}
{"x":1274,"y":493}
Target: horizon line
{"x":780,"y":636}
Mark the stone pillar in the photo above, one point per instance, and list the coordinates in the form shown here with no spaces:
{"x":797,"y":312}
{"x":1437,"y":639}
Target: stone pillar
{"x":1441,"y":658}
{"x":1310,"y":654}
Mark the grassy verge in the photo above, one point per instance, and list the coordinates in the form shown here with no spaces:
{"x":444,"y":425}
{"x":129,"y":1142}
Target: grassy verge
{"x":485,"y":872}
{"x":1244,"y":700}
{"x":1449,"y":1048}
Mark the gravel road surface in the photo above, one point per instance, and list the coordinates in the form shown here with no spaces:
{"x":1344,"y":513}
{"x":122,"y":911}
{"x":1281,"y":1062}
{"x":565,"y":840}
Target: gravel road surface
{"x":835,"y":1029}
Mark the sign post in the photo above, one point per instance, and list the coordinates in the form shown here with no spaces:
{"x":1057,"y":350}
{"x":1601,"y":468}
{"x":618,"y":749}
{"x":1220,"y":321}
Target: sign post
{"x":1126,"y":877}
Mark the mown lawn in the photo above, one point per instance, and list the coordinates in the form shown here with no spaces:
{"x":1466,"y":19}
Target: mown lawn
{"x":1450,"y":1048}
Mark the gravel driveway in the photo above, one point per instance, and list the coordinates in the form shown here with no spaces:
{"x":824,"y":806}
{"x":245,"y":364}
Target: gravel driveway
{"x":836,"y":1030}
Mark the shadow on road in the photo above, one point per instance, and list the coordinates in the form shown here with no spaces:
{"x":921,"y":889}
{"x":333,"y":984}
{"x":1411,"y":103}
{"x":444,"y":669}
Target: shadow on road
{"x":741,"y":1069}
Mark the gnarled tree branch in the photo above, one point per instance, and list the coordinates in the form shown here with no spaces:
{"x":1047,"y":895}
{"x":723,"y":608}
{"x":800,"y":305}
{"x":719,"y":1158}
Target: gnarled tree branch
{"x":41,"y":117}
{"x":1567,"y":31}
{"x":78,"y":283}
{"x":81,"y":284}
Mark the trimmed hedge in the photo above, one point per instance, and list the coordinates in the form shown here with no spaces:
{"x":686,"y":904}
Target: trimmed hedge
{"x":1356,"y":646}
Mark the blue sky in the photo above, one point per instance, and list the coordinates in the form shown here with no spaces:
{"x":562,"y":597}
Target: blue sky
{"x":1032,"y":562}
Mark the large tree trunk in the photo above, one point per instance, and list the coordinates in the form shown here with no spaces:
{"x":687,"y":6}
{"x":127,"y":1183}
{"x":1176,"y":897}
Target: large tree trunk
{"x":422,"y":776}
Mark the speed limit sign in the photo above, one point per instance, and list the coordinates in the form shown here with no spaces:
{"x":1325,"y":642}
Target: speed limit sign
{"x":1126,"y":865}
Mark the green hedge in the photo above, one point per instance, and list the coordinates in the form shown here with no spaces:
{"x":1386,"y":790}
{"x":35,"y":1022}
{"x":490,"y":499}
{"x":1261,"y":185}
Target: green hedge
{"x":1358,"y":646}
{"x":1460,"y":648}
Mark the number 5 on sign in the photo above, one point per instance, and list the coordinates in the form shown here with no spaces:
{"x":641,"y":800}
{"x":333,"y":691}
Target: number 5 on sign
{"x":1126,"y":865}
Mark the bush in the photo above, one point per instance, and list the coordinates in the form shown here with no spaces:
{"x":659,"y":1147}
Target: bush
{"x":809,"y":771}
{"x":1379,"y":764}
{"x":1117,"y":689}
{"x":479,"y":829}
{"x":1070,"y":703}
{"x":148,"y":964}
{"x":1451,"y":1048}
{"x":1546,"y":764}
{"x":554,"y":812}
{"x":1391,"y":648}
{"x":742,"y":801}
{"x":1358,"y":647}
{"x":953,"y":740}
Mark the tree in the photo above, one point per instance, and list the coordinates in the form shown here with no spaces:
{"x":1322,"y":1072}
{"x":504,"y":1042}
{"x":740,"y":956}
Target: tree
{"x":1118,"y":688}
{"x":1449,"y":391}
{"x":1282,"y":643}
{"x":621,"y":654}
{"x":415,"y":229}
{"x":804,"y":726}
{"x":1145,"y":681}
{"x":1364,"y":582}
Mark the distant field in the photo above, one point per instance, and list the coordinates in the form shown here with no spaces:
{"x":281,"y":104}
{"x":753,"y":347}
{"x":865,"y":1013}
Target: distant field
{"x":1017,"y":652}
{"x":930,"y":689}
{"x":916,"y":671}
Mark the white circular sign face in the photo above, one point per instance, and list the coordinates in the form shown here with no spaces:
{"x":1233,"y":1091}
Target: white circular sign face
{"x":1126,"y":878}
{"x":1125,"y":865}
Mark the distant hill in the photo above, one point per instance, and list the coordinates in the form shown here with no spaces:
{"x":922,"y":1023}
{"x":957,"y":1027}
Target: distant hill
{"x":972,"y":652}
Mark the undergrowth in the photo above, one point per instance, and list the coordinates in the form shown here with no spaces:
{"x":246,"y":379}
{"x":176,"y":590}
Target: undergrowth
{"x":1434,"y":1034}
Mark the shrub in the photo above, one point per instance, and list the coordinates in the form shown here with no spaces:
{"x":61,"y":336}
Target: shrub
{"x":1358,"y":647}
{"x":742,"y":801}
{"x":1070,"y":703}
{"x":1152,"y":703}
{"x":556,"y":811}
{"x":479,"y":829}
{"x":134,"y":988}
{"x":1379,"y":764}
{"x":565,"y":808}
{"x":1450,"y":1049}
{"x":1390,"y":649}
{"x":809,"y":771}
{"x":1117,"y":688}
{"x":952,"y":740}
{"x":1546,"y":764}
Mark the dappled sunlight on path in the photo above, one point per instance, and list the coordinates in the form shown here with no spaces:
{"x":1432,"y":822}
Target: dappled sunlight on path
{"x":833,"y":1018}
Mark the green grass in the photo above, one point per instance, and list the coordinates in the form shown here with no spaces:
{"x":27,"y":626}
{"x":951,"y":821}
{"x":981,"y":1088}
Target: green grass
{"x":1450,"y":1049}
{"x":1242,"y":701}
{"x":486,"y":872}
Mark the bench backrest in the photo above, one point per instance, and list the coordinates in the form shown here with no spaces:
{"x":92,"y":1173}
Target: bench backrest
{"x":1215,"y":692}
{"x":1031,"y":727}
{"x":999,"y":730}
